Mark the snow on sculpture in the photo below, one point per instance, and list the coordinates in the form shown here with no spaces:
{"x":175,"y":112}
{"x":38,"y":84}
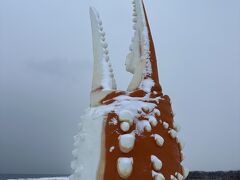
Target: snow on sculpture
{"x":127,"y":134}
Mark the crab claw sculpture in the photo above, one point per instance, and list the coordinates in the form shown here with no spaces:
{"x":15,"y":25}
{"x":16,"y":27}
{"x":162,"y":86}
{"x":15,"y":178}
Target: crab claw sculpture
{"x":127,"y":134}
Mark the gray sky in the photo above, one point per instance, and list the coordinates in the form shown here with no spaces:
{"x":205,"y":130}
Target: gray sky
{"x":46,"y":69}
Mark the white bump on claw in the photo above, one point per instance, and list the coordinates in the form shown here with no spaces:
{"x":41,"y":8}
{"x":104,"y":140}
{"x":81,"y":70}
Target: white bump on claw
{"x":103,"y":33}
{"x":106,"y":51}
{"x":145,"y":108}
{"x":173,"y":177}
{"x":125,"y":126}
{"x":107,"y":58}
{"x":172,"y":133}
{"x":126,"y":142}
{"x":75,"y":152}
{"x":126,"y":115}
{"x":176,"y":126}
{"x":103,"y":38}
{"x":157,"y":176}
{"x":134,"y":27}
{"x":147,"y":126}
{"x":165,"y":125}
{"x":179,"y":176}
{"x":105,"y":45}
{"x":153,"y":121}
{"x":100,"y":22}
{"x":157,"y":163}
{"x":181,"y":143}
{"x":156,"y":112}
{"x":159,"y":140}
{"x":124,"y":167}
{"x":182,"y":156}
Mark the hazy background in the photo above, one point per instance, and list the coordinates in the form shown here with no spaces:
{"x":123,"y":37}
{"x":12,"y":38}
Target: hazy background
{"x":46,"y":69}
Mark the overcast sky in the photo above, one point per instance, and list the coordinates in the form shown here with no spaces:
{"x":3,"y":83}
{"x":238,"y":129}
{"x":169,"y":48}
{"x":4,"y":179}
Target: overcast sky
{"x":46,"y":70}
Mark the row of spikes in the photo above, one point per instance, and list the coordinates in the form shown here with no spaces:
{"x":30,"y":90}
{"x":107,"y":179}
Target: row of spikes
{"x":105,"y":46}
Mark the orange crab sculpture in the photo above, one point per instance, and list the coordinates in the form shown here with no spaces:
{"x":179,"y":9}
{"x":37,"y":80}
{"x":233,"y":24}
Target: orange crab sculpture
{"x":134,"y":136}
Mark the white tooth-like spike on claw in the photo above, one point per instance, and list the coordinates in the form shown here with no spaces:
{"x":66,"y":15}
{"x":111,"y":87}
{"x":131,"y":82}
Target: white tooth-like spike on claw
{"x":185,"y":172}
{"x":103,"y":38}
{"x":126,"y":142}
{"x":100,"y":28}
{"x":107,"y":58}
{"x":134,"y":27}
{"x":106,"y":51}
{"x":157,"y":163}
{"x":112,"y":75}
{"x":124,"y":167}
{"x":74,"y":164}
{"x":130,"y":48}
{"x":134,"y":14}
{"x":100,"y":22}
{"x":172,"y":133}
{"x":152,"y":120}
{"x":105,"y":45}
{"x":103,"y":33}
{"x":176,"y":126}
{"x":126,"y":115}
{"x":134,"y":20}
{"x":159,"y":140}
{"x":182,"y":156}
{"x":75,"y":152}
{"x":125,"y":126}
{"x":181,"y":143}
{"x":179,"y":176}
{"x":157,"y":176}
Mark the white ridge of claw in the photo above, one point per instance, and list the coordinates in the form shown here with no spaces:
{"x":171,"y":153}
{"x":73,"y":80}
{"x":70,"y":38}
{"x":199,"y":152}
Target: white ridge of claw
{"x":157,"y":163}
{"x":126,"y":142}
{"x":165,"y":125}
{"x":159,"y":140}
{"x":152,"y":120}
{"x":137,"y":61}
{"x":124,"y":167}
{"x":102,"y":77}
{"x":157,"y":176}
{"x":126,"y":115}
{"x":124,"y":126}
